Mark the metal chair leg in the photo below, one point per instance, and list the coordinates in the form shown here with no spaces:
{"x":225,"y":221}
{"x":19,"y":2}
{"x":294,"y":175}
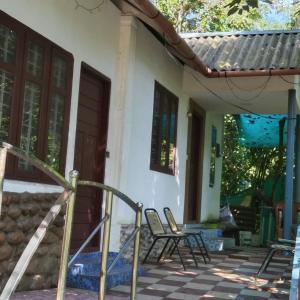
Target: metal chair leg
{"x":204,"y":247}
{"x":151,"y":247}
{"x":266,"y":262}
{"x":179,"y":254}
{"x":192,"y":251}
{"x":175,"y":244}
{"x":163,"y":250}
{"x":200,"y":248}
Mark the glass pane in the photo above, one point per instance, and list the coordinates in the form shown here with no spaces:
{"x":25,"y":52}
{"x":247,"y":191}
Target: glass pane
{"x":155,"y":129}
{"x":6,"y":91}
{"x":59,"y":72}
{"x":35,"y":60}
{"x":30,"y":120}
{"x":8,"y":45}
{"x":164,"y":132}
{"x":173,"y":125}
{"x":55,"y":130}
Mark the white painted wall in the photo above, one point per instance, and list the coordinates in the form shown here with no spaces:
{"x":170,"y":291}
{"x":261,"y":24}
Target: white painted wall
{"x":92,"y":38}
{"x":126,"y":52}
{"x":153,"y":189}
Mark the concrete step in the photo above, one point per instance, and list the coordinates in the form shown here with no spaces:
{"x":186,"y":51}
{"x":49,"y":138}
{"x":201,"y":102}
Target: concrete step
{"x":85,"y":272}
{"x":224,"y":242}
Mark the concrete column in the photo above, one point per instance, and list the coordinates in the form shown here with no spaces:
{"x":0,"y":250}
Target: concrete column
{"x":297,"y":162}
{"x":288,"y":199}
{"x":122,"y":120}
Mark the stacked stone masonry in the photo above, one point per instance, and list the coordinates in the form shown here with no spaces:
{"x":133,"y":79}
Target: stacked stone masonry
{"x":146,"y":240}
{"x":21,"y":215}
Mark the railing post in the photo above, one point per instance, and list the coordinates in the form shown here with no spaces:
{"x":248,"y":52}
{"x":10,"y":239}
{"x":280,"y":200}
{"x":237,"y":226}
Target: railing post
{"x":105,"y":244}
{"x":3,"y":154}
{"x":136,"y":251}
{"x":67,"y":238}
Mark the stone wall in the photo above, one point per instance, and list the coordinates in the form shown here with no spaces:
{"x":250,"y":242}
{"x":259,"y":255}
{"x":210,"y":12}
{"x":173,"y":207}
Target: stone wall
{"x":146,"y":240}
{"x":21,"y":215}
{"x":211,"y":238}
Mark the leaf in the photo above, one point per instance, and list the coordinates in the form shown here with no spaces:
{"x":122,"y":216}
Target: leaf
{"x":233,"y":10}
{"x":246,"y":8}
{"x":252,"y":3}
{"x":233,"y":3}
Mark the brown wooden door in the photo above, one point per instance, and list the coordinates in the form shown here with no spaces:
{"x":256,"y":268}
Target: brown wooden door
{"x":192,"y":211}
{"x":91,"y":136}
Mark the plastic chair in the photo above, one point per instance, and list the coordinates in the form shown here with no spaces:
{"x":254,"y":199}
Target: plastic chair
{"x":196,"y":235}
{"x":158,"y":232}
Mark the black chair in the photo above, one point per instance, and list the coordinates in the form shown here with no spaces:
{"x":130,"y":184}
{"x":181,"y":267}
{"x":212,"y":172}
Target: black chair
{"x":282,"y":245}
{"x":196,"y":235}
{"x":158,"y":232}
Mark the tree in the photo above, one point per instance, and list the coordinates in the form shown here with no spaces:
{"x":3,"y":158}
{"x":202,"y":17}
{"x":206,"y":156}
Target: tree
{"x":227,"y":15}
{"x":206,"y":15}
{"x":245,"y":167}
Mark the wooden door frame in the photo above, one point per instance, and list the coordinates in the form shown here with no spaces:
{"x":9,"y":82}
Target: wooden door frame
{"x":194,"y":109}
{"x":107,"y":94}
{"x":87,"y":69}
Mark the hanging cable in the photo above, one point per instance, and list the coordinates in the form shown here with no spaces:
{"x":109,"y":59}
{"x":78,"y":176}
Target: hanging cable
{"x":244,"y":88}
{"x":251,"y":98}
{"x":228,"y":102}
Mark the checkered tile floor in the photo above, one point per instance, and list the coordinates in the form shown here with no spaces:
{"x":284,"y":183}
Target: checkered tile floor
{"x":228,"y":276}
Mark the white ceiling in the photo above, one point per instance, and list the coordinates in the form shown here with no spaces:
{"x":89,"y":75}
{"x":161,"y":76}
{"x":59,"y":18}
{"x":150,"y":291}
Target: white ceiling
{"x":261,"y":94}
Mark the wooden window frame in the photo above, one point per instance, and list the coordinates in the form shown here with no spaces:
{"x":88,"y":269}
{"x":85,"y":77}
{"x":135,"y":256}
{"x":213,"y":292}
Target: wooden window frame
{"x":168,"y":97}
{"x":18,"y":70}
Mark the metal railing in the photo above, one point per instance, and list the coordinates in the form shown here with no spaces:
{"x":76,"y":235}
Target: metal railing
{"x":68,"y":196}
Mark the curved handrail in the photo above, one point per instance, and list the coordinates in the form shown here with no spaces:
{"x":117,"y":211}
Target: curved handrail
{"x":134,"y":205}
{"x":38,"y":164}
{"x":68,"y":197}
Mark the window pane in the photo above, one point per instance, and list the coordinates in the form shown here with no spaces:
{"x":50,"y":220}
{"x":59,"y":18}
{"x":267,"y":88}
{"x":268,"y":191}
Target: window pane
{"x":55,"y":130}
{"x":155,"y":128}
{"x":59,"y":72}
{"x":173,"y":125}
{"x":30,"y":120}
{"x":6,"y":91}
{"x":8,"y":45}
{"x":164,"y":133}
{"x":35,"y":60}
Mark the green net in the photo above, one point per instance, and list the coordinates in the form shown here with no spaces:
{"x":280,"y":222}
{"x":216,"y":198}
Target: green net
{"x":260,"y":130}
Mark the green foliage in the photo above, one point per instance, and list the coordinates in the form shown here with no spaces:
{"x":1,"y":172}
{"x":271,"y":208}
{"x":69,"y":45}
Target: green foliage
{"x":182,"y":13}
{"x":240,"y":6}
{"x":245,"y":167}
{"x":226,"y":15}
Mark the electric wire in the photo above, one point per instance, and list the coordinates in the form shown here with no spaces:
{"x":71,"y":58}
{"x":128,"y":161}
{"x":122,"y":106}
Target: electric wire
{"x":229,"y":102}
{"x":263,"y":87}
{"x":244,"y":88}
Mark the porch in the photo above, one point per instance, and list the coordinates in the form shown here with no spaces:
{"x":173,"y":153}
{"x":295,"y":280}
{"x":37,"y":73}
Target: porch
{"x":230,"y":275}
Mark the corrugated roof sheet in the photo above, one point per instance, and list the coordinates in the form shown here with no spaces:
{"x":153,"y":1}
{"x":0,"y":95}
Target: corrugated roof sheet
{"x":257,"y":50}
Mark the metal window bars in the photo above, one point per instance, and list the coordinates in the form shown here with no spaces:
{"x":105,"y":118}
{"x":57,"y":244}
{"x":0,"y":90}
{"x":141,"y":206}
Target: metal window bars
{"x":68,"y":196}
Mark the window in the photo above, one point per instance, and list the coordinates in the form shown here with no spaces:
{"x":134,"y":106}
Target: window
{"x":35,"y":91}
{"x":164,"y":128}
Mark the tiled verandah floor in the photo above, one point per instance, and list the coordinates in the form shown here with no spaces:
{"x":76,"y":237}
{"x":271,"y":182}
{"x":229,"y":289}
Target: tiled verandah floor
{"x":230,"y":275}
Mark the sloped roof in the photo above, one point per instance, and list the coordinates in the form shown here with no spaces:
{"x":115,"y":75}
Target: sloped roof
{"x":242,"y":51}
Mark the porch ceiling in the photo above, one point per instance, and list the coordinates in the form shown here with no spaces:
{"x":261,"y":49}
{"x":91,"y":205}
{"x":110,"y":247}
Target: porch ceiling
{"x":260,"y":95}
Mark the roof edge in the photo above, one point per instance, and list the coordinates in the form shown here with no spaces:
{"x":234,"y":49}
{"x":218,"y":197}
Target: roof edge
{"x":187,"y":35}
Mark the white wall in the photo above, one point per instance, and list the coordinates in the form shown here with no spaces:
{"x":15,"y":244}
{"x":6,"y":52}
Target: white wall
{"x":92,"y":38}
{"x":126,"y":52}
{"x":153,"y":189}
